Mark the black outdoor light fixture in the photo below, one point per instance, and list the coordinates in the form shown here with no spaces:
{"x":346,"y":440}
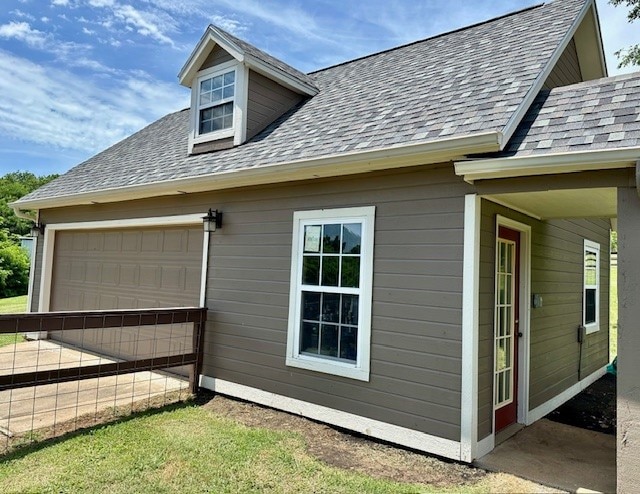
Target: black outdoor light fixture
{"x":37,"y":229}
{"x":212,"y":221}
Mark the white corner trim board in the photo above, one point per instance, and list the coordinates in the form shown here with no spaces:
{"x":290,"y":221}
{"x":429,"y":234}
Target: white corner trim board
{"x":549,"y":406}
{"x":470,"y":328}
{"x":369,"y":427}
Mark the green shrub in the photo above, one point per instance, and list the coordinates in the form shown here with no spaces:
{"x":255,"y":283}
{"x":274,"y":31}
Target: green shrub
{"x":14,"y":267}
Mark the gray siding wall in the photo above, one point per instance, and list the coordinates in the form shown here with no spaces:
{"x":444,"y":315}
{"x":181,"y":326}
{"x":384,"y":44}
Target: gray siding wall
{"x":556,"y":274}
{"x":267,"y":101}
{"x":416,"y":318}
{"x":567,"y":70}
{"x":216,"y":57}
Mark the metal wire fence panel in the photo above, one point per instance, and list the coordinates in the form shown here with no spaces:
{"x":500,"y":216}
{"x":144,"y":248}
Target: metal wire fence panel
{"x":87,"y":367}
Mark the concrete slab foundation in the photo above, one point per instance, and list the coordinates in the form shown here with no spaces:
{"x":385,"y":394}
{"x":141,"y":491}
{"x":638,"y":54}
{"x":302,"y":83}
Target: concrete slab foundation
{"x":558,"y":455}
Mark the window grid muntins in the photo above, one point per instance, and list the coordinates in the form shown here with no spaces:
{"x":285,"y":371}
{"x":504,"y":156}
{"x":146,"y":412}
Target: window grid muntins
{"x":330,"y":282}
{"x":215,"y":102}
{"x":591,"y":266}
{"x":504,"y":323}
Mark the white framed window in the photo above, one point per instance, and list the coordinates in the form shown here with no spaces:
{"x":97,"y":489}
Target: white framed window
{"x":218,"y":104}
{"x":591,"y":287}
{"x":331,"y":287}
{"x":215,"y":101}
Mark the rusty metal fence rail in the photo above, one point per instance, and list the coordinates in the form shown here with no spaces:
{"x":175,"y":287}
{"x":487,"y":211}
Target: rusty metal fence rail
{"x":76,"y":366}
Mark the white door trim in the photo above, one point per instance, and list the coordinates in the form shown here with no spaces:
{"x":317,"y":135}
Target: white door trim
{"x":49,"y":242}
{"x":524,"y":349}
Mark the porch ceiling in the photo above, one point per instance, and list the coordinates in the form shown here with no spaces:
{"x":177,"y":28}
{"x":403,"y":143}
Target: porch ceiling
{"x":574,"y":203}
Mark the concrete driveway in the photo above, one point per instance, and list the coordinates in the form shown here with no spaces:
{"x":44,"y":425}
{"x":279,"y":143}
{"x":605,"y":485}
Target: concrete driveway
{"x":26,"y":409}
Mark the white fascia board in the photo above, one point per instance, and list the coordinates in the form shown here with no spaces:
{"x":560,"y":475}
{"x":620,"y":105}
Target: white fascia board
{"x":438,"y":151}
{"x":280,"y":76}
{"x":210,"y":38}
{"x":535,"y":88}
{"x":547,"y":164}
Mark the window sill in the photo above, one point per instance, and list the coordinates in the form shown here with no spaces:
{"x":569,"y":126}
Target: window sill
{"x":329,"y":367}
{"x":592,"y":328}
{"x":214,"y":136}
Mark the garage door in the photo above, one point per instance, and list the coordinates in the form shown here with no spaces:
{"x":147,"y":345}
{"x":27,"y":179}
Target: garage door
{"x":127,"y":269}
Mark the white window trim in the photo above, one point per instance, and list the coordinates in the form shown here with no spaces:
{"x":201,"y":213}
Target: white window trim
{"x":239,"y":128}
{"x":359,"y":370}
{"x":594,"y":326}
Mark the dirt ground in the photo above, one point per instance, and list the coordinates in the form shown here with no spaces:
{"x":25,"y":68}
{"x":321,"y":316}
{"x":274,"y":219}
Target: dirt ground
{"x":593,"y":409}
{"x":357,"y":453}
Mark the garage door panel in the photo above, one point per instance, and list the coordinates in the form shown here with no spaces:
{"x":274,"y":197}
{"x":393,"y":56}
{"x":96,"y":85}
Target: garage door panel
{"x":128,"y":269}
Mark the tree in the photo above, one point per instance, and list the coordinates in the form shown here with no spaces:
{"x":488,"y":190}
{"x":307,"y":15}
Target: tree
{"x":630,"y":55}
{"x":14,"y":267}
{"x":13,"y":186}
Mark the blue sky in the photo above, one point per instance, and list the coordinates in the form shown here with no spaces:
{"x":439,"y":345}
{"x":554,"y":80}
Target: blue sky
{"x":79,"y":75}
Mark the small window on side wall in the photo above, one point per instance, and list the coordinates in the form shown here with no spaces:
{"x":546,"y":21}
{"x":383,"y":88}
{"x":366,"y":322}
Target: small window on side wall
{"x":591,"y":287}
{"x":330,"y":299}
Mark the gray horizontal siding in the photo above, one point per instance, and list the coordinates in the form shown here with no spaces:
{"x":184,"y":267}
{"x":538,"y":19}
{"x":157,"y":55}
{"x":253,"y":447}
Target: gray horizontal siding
{"x":567,"y":69}
{"x":267,"y":100}
{"x":216,"y":57}
{"x":556,"y":274}
{"x":416,"y":315}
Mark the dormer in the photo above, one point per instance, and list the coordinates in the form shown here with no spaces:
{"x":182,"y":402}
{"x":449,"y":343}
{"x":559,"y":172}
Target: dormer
{"x":236,"y":91}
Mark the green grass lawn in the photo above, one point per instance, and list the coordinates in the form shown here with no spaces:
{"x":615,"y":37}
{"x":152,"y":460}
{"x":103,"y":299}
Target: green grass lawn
{"x":182,"y":449}
{"x":13,"y":304}
{"x":9,"y":306}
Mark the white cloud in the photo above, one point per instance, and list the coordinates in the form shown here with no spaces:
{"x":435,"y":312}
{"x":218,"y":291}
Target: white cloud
{"x":153,"y":24}
{"x":60,"y":3}
{"x":53,"y":107}
{"x":22,"y":31}
{"x":231,"y":25}
{"x":22,"y":15}
{"x":44,"y":19}
{"x":88,"y":31}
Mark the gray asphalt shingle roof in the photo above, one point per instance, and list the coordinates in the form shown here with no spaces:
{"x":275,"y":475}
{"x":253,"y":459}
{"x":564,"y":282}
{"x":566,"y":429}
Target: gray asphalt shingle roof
{"x":593,"y":115}
{"x":458,"y":84}
{"x":266,"y":58}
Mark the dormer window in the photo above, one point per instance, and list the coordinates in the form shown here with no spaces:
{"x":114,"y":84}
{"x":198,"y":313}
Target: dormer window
{"x":216,"y":101}
{"x":218,"y":107}
{"x":236,"y":91}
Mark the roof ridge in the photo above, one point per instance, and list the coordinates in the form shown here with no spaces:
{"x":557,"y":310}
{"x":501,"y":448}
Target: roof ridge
{"x":429,"y":38}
